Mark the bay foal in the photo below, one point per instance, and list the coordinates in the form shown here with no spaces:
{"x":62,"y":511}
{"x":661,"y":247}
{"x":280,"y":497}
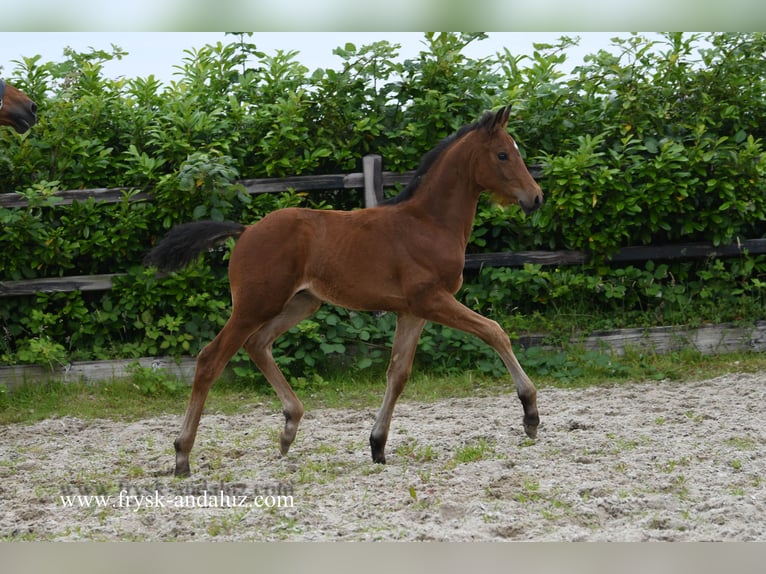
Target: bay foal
{"x":405,"y":256}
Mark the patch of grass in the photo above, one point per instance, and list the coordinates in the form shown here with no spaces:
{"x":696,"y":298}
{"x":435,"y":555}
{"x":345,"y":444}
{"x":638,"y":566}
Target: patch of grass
{"x":678,"y":487}
{"x":473,"y":451}
{"x":621,"y":444}
{"x":226,"y":524}
{"x":115,"y":400}
{"x":319,"y":472}
{"x":326,"y":449}
{"x":529,"y":493}
{"x":671,"y":465}
{"x":741,"y":443}
{"x":122,"y":400}
{"x":410,"y":450}
{"x":694,"y":417}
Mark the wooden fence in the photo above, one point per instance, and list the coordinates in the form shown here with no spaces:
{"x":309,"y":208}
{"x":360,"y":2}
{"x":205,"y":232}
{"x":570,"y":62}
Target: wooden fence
{"x":371,"y":182}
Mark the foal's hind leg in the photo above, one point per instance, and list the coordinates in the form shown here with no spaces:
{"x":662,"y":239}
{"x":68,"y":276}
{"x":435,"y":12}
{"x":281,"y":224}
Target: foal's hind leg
{"x":408,"y":329}
{"x":258,"y":347}
{"x":210,"y":364}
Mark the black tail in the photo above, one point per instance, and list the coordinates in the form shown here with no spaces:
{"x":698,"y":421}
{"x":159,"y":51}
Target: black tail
{"x":184,"y":242}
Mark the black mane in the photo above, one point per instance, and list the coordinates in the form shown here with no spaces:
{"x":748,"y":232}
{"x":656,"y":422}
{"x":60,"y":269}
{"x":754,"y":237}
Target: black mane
{"x":430,"y":157}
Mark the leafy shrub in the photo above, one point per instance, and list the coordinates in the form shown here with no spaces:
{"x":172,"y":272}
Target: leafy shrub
{"x":659,"y":142}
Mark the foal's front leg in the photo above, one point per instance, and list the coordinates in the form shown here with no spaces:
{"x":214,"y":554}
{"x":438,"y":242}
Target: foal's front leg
{"x":408,"y":329}
{"x":444,"y":309}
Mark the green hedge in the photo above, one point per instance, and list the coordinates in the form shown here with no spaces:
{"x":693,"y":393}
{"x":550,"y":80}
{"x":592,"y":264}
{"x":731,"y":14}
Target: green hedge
{"x":656,"y":142}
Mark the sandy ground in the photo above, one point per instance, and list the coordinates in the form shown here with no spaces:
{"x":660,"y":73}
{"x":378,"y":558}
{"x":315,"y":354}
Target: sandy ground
{"x":635,"y":462}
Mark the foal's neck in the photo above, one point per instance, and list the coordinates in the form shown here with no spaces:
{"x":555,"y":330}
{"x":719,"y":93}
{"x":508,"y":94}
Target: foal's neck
{"x":448,"y":193}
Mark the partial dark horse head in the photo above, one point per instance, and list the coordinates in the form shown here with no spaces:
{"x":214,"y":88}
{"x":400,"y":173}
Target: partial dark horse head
{"x":16,"y":109}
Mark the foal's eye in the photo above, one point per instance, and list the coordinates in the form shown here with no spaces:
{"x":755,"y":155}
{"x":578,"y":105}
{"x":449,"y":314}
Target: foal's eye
{"x":502,"y":156}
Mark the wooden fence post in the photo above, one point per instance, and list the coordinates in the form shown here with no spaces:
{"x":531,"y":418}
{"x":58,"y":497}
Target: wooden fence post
{"x":372,"y":166}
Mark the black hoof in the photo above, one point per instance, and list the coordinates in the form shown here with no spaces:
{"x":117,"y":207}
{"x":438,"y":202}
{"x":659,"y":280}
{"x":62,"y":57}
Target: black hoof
{"x":378,"y":450}
{"x":182,"y":468}
{"x":284,"y":444}
{"x":530,"y":425}
{"x":182,"y":471}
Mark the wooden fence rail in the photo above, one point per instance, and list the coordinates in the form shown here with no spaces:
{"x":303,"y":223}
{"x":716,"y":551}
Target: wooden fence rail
{"x":473,"y":261}
{"x":372,"y":181}
{"x":685,"y":251}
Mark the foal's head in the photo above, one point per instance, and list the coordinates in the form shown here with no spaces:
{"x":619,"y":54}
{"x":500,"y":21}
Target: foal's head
{"x":500,"y":168}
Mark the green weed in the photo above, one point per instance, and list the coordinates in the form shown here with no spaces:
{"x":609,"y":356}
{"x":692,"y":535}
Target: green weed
{"x":473,"y":451}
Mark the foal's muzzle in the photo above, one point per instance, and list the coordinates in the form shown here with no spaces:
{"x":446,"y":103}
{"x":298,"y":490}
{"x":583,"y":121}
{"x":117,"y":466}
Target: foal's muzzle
{"x":532,"y":205}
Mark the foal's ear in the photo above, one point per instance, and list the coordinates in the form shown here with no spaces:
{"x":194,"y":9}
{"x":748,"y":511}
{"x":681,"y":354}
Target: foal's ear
{"x":501,"y":117}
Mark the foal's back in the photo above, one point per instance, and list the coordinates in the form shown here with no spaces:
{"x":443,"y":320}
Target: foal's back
{"x":369,"y":259}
